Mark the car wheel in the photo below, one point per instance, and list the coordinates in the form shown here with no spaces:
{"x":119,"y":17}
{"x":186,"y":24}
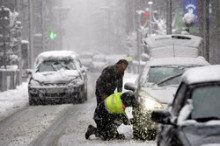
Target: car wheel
{"x":85,"y":95}
{"x":32,"y":101}
{"x":81,"y":97}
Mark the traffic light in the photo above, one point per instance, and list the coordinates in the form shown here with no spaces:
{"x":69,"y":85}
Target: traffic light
{"x":52,"y":36}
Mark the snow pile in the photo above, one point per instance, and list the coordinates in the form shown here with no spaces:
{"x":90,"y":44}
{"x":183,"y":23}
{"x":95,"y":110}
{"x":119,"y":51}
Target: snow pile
{"x":13,"y":100}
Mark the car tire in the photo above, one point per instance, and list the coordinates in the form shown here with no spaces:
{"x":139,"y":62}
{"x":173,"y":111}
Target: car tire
{"x":32,"y":101}
{"x":85,"y":96}
{"x":81,"y":97}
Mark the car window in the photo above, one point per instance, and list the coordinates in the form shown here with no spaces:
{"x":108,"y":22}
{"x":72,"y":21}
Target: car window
{"x":206,"y":102}
{"x":159,"y":73}
{"x":78,"y":63}
{"x":55,"y":65}
{"x":179,"y":99}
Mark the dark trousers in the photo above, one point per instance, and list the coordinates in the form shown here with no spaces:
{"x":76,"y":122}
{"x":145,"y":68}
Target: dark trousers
{"x":99,"y":96}
{"x":106,"y":123}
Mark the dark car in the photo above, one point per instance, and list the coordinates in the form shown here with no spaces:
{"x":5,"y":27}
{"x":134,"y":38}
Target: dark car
{"x":193,"y":119}
{"x":58,"y":77}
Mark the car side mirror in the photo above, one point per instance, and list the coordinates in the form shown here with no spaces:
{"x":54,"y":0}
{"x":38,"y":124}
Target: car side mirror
{"x":130,"y":86}
{"x":29,"y":72}
{"x":161,"y":116}
{"x":84,"y":69}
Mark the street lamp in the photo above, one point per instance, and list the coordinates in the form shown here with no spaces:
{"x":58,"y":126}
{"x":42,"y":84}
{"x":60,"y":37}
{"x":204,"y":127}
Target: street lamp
{"x":150,"y":3}
{"x":139,"y":36}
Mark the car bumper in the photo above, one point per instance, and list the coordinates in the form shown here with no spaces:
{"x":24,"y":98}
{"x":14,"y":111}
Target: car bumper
{"x":55,"y":92}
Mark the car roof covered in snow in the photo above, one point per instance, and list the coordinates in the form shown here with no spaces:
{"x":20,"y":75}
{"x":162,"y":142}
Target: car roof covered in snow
{"x":174,"y":39}
{"x":175,"y":45}
{"x":56,"y":55}
{"x":186,"y":61}
{"x":209,"y":73}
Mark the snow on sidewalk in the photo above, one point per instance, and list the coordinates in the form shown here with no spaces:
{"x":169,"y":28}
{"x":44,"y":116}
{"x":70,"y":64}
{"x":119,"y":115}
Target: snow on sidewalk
{"x":13,"y":100}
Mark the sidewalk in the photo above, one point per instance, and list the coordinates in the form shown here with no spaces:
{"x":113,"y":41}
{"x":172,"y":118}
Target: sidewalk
{"x":13,"y":100}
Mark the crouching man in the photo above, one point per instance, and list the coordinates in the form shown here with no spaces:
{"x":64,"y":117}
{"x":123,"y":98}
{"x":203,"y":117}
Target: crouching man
{"x":110,"y":114}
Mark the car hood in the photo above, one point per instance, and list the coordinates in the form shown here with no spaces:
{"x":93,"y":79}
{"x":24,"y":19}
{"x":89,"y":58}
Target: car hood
{"x":202,"y":135}
{"x":164,"y":95}
{"x":61,"y":76}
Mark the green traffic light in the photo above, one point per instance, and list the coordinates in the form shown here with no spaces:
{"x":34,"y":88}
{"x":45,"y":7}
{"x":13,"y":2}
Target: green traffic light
{"x":53,"y":36}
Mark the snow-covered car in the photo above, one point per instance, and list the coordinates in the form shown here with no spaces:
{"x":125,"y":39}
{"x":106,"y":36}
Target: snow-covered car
{"x":99,"y":62}
{"x":175,"y":45}
{"x":58,"y":76}
{"x":155,"y":88}
{"x":193,"y":119}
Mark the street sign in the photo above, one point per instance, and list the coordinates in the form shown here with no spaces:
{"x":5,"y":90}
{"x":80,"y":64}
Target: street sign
{"x":191,"y":6}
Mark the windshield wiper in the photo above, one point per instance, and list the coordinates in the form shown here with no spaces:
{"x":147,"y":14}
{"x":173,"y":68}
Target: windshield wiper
{"x":169,"y":78}
{"x":205,"y":119}
{"x":54,"y":68}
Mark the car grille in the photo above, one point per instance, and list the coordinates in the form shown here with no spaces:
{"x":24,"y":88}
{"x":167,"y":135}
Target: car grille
{"x":56,"y":94}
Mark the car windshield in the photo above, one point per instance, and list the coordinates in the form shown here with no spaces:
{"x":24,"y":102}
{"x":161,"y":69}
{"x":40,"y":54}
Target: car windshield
{"x":206,"y":101}
{"x":55,"y":65}
{"x":166,"y":74}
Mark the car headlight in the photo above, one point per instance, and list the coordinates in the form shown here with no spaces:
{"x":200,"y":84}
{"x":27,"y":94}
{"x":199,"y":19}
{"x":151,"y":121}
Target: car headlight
{"x":151,"y":104}
{"x":76,"y":81}
{"x":34,"y":83}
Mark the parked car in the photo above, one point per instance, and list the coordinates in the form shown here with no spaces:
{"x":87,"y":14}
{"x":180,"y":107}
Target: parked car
{"x":58,"y":76}
{"x":99,"y":62}
{"x":175,"y":45}
{"x":193,"y":118}
{"x":155,"y":88}
{"x":86,"y":59}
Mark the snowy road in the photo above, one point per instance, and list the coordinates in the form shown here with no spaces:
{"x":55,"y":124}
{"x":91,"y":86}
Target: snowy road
{"x":62,"y":125}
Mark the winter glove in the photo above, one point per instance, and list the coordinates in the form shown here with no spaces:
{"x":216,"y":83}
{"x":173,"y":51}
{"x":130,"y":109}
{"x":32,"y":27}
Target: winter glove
{"x":126,"y":121}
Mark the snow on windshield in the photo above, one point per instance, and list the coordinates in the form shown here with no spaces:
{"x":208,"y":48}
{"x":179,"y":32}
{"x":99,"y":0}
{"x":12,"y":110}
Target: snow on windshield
{"x":54,"y":65}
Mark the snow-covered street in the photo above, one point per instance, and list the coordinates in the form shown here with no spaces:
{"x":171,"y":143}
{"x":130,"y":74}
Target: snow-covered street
{"x":61,"y":125}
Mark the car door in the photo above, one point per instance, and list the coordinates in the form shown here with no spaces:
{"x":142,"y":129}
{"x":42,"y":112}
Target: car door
{"x":169,"y":135}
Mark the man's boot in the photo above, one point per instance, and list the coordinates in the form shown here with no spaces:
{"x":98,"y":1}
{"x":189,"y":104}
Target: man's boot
{"x":120,"y":136}
{"x":90,"y":131}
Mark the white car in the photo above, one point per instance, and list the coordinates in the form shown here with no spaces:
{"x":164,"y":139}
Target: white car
{"x":58,"y":76}
{"x":156,"y":86}
{"x":175,"y":45}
